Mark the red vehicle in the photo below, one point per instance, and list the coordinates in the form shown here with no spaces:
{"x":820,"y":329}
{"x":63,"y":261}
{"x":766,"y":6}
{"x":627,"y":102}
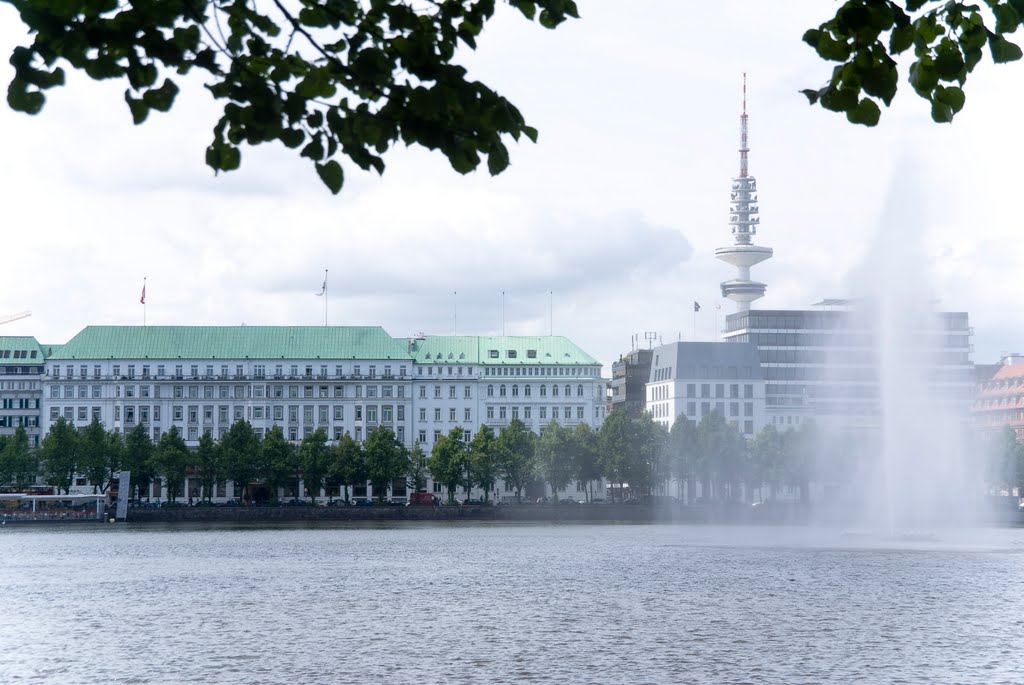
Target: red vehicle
{"x":421,"y":499}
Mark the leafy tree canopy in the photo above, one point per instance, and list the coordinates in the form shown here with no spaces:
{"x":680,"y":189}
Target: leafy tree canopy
{"x":333,"y":79}
{"x":947,"y":40}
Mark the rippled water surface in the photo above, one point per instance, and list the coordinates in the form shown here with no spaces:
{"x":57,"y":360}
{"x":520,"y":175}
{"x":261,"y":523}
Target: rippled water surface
{"x":460,"y":603}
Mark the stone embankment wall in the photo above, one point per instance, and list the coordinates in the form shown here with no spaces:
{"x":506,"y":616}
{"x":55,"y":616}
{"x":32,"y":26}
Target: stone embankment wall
{"x":540,"y":513}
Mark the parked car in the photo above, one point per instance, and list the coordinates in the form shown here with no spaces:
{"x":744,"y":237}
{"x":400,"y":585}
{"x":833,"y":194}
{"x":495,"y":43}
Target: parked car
{"x":472,"y":502}
{"x":362,"y":502}
{"x":421,"y":499}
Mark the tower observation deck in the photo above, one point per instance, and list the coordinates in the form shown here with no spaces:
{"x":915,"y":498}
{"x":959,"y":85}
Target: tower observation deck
{"x":744,"y":220}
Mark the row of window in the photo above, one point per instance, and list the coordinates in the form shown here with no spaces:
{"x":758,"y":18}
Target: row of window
{"x":585,"y":371}
{"x":528,"y":391}
{"x":503,"y":413}
{"x":19,"y":385}
{"x":225,"y":414}
{"x":19,"y":403}
{"x":212,"y":371}
{"x":224,"y":392}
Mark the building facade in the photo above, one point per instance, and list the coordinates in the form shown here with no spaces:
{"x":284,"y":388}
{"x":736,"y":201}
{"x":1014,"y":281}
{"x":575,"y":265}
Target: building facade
{"x":630,"y":375}
{"x":693,"y":379}
{"x":22,"y":363}
{"x":999,"y":399}
{"x":829,"y":364}
{"x":343,"y":379}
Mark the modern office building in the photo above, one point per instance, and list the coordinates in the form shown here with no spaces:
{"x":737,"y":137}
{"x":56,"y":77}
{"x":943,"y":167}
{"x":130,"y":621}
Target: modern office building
{"x":21,"y":386}
{"x":693,"y":379}
{"x":830,"y":364}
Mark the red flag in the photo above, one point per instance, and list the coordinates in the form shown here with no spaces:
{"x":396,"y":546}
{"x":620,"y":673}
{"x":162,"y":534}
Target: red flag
{"x":142,"y":300}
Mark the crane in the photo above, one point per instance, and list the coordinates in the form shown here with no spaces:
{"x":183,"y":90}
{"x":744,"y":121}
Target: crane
{"x":14,"y":317}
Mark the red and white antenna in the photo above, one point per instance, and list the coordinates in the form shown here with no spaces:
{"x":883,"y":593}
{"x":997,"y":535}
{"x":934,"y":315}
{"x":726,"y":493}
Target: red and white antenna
{"x":744,"y":148}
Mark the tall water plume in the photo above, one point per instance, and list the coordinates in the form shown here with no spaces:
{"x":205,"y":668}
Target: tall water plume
{"x":910,"y":447}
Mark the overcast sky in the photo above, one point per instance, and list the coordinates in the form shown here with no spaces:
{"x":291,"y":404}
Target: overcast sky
{"x":617,"y":210}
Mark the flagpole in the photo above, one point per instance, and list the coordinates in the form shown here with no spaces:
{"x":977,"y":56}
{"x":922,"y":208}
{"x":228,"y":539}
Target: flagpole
{"x":325,"y":298}
{"x":143,"y":301}
{"x":455,"y":307}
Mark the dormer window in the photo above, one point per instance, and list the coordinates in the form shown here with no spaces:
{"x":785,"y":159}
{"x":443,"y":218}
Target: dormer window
{"x":493,"y":354}
{"x":531,"y":354}
{"x":511,"y":354}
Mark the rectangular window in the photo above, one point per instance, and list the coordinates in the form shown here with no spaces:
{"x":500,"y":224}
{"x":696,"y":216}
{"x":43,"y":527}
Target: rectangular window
{"x":527,"y":414}
{"x":401,"y":412}
{"x":339,"y":412}
{"x":422,"y":436}
{"x":437,"y":413}
{"x":490,"y":413}
{"x":451,"y":414}
{"x":467,"y":415}
{"x":423,"y":413}
{"x":543,"y":413}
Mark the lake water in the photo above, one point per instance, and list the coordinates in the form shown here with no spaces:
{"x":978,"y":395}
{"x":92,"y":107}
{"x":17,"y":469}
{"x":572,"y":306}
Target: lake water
{"x":498,"y":603}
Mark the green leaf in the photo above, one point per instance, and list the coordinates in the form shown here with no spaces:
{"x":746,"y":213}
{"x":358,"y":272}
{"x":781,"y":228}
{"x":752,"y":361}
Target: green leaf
{"x":530,"y":133}
{"x":497,"y":159}
{"x":1002,"y":49}
{"x":901,"y":39}
{"x":812,"y":95}
{"x":23,"y":100}
{"x":948,"y":61}
{"x":941,"y":113}
{"x":1007,"y":19}
{"x":139,"y":109}
{"x":332,"y":175}
{"x":866,"y":112}
{"x":952,"y":96}
{"x":161,"y":98}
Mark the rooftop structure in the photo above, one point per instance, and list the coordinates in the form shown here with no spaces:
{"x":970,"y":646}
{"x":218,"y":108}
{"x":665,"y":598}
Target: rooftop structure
{"x":743,"y":254}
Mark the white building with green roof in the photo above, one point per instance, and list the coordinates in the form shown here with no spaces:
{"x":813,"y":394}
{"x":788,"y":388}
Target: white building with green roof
{"x":344,"y":379}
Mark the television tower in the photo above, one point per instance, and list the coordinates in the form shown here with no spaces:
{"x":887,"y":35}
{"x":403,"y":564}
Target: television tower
{"x":743,"y":254}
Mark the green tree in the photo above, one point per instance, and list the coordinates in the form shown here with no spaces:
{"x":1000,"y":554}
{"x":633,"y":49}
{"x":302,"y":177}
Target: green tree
{"x":19,"y":463}
{"x":801,"y":448}
{"x":768,"y":460}
{"x":615,"y":443}
{"x":647,"y":465}
{"x":586,"y":453}
{"x":517,"y":461}
{"x":554,"y":458}
{"x":60,"y":453}
{"x":240,"y":448}
{"x":171,"y":460}
{"x":386,"y":460}
{"x":483,"y":459}
{"x":209,"y":465}
{"x":447,"y":461}
{"x":100,"y":455}
{"x":683,"y":455}
{"x":721,"y":451}
{"x":350,"y":464}
{"x":948,"y":41}
{"x":340,"y":79}
{"x":314,"y":456}
{"x":138,"y":457}
{"x":277,"y":460}
{"x":418,"y":471}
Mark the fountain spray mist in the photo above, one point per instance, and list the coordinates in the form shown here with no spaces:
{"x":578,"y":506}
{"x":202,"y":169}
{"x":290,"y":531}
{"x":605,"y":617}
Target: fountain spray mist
{"x":915,"y":467}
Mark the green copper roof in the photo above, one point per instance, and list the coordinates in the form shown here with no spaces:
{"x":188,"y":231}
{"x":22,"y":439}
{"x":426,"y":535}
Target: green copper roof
{"x":20,"y":350}
{"x":499,"y":349}
{"x":233,"y":342}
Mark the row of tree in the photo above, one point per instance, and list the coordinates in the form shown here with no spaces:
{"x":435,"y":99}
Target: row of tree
{"x":639,"y":453}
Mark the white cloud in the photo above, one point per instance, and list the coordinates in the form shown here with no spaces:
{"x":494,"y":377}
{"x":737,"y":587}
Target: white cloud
{"x":617,"y":209}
